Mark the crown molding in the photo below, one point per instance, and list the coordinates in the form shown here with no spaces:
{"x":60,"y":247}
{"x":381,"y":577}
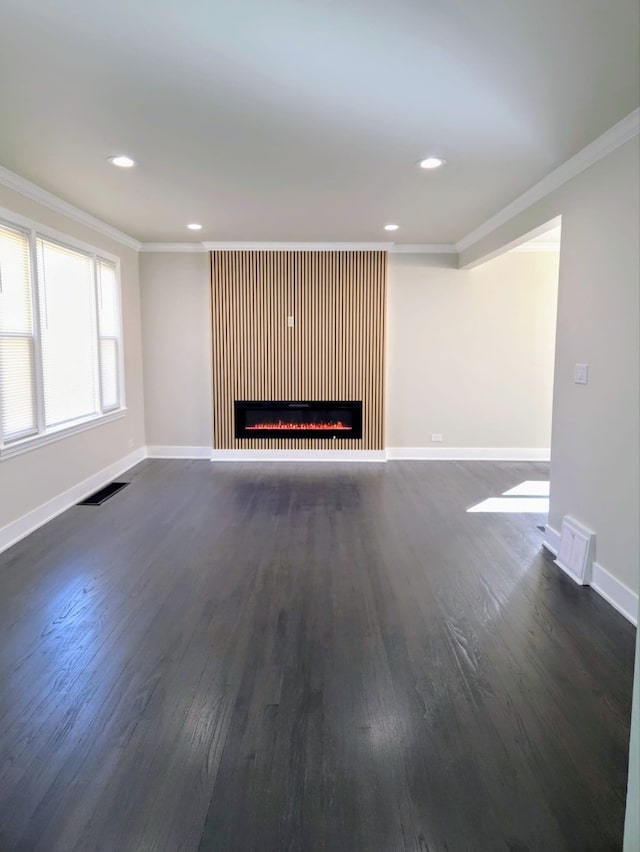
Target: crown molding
{"x":611,"y":139}
{"x":423,"y":248}
{"x":173,"y":247}
{"x":275,"y":246}
{"x":523,"y":243}
{"x":36,"y":193}
{"x":392,"y":248}
{"x":536,"y":247}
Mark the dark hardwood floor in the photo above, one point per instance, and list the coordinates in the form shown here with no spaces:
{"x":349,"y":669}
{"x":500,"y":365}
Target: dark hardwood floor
{"x":323,"y":658}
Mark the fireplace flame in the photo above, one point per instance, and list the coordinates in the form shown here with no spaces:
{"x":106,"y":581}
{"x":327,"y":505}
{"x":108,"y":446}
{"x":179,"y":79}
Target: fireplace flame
{"x":329,"y":426}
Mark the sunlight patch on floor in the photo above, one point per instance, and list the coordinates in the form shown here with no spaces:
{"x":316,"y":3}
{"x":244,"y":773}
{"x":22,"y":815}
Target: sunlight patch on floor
{"x":529,"y":488}
{"x":537,"y":505}
{"x":531,"y":496}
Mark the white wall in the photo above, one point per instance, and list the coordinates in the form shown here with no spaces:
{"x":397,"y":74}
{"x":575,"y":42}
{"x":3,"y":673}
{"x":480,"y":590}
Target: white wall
{"x":595,"y":450}
{"x":176,"y":334}
{"x":37,"y":476}
{"x":470,"y":352}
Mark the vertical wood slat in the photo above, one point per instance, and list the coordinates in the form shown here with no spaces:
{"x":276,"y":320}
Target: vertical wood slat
{"x":334,"y":351}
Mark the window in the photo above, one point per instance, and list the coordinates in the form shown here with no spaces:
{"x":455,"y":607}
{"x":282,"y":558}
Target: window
{"x":60,"y":337}
{"x":17,"y":395}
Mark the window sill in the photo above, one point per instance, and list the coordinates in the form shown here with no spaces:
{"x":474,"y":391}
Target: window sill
{"x":33,"y":442}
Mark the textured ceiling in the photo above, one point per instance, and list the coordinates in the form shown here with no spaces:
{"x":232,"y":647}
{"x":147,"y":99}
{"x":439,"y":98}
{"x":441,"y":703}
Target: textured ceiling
{"x":291,"y":121}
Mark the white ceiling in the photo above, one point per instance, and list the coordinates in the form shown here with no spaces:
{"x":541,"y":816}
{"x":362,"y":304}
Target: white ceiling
{"x":289,"y":120}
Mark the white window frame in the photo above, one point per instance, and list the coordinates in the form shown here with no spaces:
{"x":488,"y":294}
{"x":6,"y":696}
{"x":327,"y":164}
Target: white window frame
{"x":32,"y":230}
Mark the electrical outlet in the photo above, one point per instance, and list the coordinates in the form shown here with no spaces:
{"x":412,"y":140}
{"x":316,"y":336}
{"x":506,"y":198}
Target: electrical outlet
{"x":290,"y":322}
{"x":436,"y":436}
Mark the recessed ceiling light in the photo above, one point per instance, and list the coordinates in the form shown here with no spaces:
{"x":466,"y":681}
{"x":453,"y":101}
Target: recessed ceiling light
{"x":122,"y":161}
{"x":432,"y":163}
{"x":194,"y":226}
{"x":391,"y":227}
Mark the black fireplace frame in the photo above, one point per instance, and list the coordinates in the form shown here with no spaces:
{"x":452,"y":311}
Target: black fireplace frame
{"x":242,"y":407}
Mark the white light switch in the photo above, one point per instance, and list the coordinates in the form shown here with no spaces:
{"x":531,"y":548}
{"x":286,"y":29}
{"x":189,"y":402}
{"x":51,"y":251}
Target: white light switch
{"x":581,"y":374}
{"x":290,"y":322}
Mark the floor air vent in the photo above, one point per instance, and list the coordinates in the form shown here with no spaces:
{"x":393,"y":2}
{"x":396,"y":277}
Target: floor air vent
{"x":99,"y":497}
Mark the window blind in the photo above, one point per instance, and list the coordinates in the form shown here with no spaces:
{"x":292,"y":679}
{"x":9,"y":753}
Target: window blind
{"x":109,"y":331}
{"x":60,"y":336}
{"x":67,"y":333}
{"x":18,"y":415}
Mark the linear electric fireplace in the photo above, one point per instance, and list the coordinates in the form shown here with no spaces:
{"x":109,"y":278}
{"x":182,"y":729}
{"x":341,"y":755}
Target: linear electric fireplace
{"x":298,"y":419}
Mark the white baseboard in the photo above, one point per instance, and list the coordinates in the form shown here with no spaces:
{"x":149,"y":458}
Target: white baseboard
{"x":610,"y":588}
{"x":300,"y":455}
{"x":179,"y":452}
{"x":406,"y":453}
{"x":469,"y":453}
{"x":604,"y":583}
{"x":13,"y":532}
{"x":615,"y":592}
{"x":551,"y":540}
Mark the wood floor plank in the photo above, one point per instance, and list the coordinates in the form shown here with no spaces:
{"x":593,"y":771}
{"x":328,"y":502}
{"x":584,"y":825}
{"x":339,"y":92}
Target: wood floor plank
{"x":307,"y":658}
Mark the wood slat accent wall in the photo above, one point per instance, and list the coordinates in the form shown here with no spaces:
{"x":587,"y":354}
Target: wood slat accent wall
{"x":334,"y":351}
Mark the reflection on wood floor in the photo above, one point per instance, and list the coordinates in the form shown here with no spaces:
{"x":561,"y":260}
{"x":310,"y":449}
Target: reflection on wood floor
{"x":284,"y":657}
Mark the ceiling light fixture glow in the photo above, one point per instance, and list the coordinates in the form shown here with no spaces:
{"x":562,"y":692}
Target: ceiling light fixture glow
{"x":391,"y":227}
{"x":432,"y":163}
{"x":122,"y":161}
{"x":194,"y":226}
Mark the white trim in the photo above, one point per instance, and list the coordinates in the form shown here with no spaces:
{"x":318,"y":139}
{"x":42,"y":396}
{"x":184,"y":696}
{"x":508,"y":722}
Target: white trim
{"x":604,"y":583}
{"x":280,"y":246}
{"x":469,"y":453}
{"x":179,"y":452}
{"x":299,"y":455}
{"x":12,"y":219}
{"x":33,"y":442}
{"x":616,"y":593}
{"x":391,"y":453}
{"x":535,"y":247}
{"x":14,"y":531}
{"x":613,"y":138}
{"x":422,"y":248}
{"x":610,"y":588}
{"x":568,"y":573}
{"x":551,"y":540}
{"x":518,"y":243}
{"x":173,"y":247}
{"x":391,"y":248}
{"x":35,"y":231}
{"x":36,"y":193}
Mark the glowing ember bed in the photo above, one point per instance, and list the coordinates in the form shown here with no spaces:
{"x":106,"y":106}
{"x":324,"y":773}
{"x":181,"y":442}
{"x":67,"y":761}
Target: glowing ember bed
{"x":298,"y":419}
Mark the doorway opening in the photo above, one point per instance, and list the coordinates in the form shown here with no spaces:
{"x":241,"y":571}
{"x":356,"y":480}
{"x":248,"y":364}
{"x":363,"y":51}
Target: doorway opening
{"x":522,"y":280}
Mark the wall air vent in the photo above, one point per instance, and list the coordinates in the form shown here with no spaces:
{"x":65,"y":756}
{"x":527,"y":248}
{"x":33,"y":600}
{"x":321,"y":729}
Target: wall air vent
{"x":575,"y":554}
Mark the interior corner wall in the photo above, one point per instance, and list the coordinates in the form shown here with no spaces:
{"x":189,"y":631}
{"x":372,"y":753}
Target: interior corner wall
{"x":595,"y":451}
{"x":176,"y":343}
{"x":31,"y":479}
{"x":470,"y":352}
